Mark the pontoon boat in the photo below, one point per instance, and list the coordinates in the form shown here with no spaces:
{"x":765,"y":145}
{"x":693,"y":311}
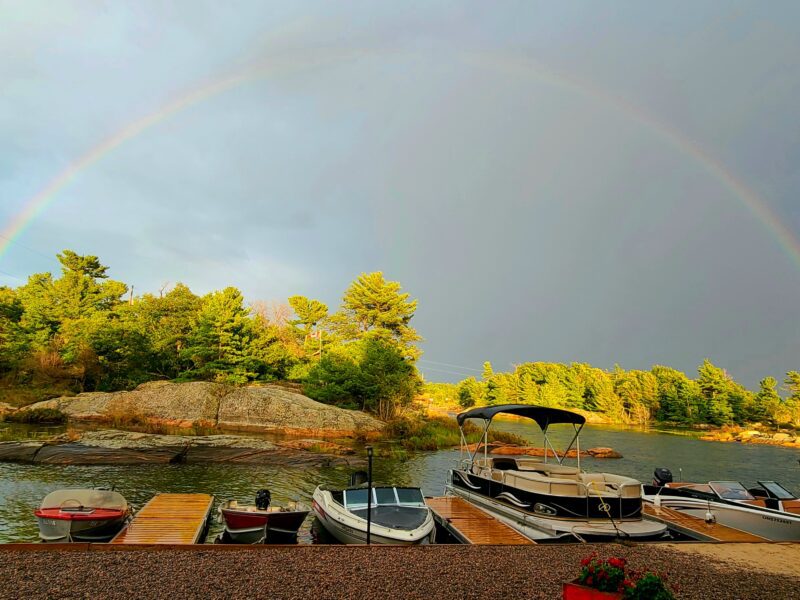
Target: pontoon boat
{"x":548,"y":500}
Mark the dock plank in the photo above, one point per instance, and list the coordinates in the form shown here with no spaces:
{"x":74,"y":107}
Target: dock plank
{"x":168,"y":519}
{"x":471,"y":524}
{"x":696,"y":527}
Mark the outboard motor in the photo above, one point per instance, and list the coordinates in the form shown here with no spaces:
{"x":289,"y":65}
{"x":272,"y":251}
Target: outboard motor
{"x":662,"y":476}
{"x":263,"y":498}
{"x":358,"y":478}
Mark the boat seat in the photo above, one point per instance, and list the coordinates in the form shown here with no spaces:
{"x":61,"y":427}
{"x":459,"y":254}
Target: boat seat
{"x":504,"y":464}
{"x":541,"y":483}
{"x":602,"y":484}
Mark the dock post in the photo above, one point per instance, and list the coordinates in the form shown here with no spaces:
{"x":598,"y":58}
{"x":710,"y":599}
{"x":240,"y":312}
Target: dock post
{"x":369,"y":492}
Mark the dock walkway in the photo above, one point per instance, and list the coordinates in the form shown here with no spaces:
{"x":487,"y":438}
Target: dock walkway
{"x":471,"y":525}
{"x":169,"y":519}
{"x":697,"y":528}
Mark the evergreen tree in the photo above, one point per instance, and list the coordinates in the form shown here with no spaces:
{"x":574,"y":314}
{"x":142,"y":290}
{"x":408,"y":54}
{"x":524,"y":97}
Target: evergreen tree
{"x":373,"y":308}
{"x":766,"y":403}
{"x":715,"y":387}
{"x":219,"y":345}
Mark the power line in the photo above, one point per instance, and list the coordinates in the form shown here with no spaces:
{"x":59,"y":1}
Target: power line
{"x":7,"y":274}
{"x":444,"y":371}
{"x":433,"y":362}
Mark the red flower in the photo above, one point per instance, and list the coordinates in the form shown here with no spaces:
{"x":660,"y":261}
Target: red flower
{"x":617,"y":562}
{"x":627,"y":583}
{"x":589,"y":580}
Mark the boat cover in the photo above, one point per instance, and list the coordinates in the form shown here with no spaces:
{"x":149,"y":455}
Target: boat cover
{"x":397,"y":517}
{"x":543,"y":415}
{"x":75,"y":498}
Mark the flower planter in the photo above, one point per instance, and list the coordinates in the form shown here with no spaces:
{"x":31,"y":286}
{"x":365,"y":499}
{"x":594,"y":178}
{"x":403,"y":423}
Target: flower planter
{"x":576,"y":591}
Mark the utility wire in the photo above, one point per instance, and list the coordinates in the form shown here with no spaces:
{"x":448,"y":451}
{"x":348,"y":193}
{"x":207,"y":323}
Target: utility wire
{"x":50,"y":259}
{"x":459,"y":367}
{"x":444,"y":371}
{"x":7,"y":274}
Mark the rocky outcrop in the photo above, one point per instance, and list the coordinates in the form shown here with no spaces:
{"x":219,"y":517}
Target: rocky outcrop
{"x":256,"y":408}
{"x":272,"y":407}
{"x":752,"y":436}
{"x":125,"y":448}
{"x":499,"y":449}
{"x":5,"y":409}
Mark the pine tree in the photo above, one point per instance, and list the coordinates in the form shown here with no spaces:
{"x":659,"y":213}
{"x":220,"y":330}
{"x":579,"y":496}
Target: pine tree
{"x":715,"y":387}
{"x":373,"y":308}
{"x":220,"y":342}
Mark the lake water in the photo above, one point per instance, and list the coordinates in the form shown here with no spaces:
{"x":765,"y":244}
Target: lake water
{"x":22,"y":487}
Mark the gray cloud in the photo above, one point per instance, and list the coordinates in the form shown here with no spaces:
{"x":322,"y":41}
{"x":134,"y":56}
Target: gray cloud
{"x":533,"y":218}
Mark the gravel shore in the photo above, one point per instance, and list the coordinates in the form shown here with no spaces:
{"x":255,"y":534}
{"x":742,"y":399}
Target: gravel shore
{"x":319,"y":572}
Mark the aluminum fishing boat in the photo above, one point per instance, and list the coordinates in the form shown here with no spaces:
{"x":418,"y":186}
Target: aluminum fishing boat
{"x":81,"y":515}
{"x":548,"y":500}
{"x":769,"y":511}
{"x":398,"y":515}
{"x":262,"y":522}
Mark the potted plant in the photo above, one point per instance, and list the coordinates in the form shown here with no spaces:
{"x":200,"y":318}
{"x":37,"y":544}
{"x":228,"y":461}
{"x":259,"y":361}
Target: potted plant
{"x":604,"y":579}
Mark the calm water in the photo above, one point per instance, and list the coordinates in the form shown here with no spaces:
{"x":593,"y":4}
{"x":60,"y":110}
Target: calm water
{"x":23,"y":486}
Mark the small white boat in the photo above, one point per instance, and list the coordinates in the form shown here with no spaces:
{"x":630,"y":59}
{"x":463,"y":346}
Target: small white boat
{"x":81,"y":515}
{"x":398,"y":515}
{"x":772,"y":515}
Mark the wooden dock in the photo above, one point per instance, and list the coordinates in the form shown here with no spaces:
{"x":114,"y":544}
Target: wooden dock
{"x":169,"y":519}
{"x":471,"y":525}
{"x":697,"y":528}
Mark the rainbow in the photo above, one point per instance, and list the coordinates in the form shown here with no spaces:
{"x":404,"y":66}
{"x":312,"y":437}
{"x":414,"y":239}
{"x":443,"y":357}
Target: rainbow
{"x":526,"y":66}
{"x":36,"y":205}
{"x":516,"y":64}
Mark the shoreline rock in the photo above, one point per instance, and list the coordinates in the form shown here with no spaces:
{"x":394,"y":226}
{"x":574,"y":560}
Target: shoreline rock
{"x":752,"y":436}
{"x":499,"y":449}
{"x":213,"y":405}
{"x":112,"y":447}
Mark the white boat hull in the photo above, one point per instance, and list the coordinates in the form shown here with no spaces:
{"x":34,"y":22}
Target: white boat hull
{"x":769,"y":524}
{"x":540,"y":528}
{"x":350,"y":529}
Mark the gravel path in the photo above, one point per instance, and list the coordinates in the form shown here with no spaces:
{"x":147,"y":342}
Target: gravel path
{"x":319,"y":572}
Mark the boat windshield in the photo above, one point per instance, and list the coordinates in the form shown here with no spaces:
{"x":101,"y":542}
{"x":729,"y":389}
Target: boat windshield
{"x":776,"y":490}
{"x":730,"y":490}
{"x":383,"y":496}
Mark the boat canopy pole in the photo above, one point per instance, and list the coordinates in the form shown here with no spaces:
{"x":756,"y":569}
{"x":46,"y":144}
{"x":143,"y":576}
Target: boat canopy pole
{"x":560,"y":459}
{"x":484,"y":439}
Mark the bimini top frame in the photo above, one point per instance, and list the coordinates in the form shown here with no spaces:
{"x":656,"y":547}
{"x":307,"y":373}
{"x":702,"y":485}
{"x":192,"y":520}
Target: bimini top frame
{"x":543,"y":415}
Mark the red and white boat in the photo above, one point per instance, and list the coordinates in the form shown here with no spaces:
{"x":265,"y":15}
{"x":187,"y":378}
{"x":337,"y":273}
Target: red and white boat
{"x":81,"y":515}
{"x":254,"y":524}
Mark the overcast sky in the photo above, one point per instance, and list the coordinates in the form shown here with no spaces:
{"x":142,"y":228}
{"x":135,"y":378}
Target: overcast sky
{"x":521,"y":168}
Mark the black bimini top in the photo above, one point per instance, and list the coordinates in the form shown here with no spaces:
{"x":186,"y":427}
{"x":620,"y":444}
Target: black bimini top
{"x":543,"y":415}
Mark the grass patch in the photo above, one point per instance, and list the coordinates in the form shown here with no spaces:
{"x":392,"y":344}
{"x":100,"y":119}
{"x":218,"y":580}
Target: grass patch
{"x":128,"y":419}
{"x":437,"y":432}
{"x":37,"y":415}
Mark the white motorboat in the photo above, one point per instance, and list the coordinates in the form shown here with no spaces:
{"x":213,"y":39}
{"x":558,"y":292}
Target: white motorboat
{"x":774,"y":514}
{"x":398,"y":515}
{"x":81,"y":515}
{"x":545,"y":500}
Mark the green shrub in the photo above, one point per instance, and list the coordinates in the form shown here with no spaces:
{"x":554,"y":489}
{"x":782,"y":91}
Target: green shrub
{"x":434,"y":433}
